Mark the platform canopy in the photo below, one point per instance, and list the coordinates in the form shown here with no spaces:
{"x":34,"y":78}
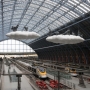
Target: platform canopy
{"x":38,"y":15}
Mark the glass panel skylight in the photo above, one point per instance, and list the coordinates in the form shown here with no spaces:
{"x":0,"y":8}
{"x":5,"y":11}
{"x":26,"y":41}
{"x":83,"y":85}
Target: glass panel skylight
{"x":38,"y":15}
{"x":14,"y":46}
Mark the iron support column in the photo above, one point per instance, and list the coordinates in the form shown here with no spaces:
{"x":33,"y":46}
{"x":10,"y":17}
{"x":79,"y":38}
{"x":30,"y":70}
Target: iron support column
{"x":81,"y":81}
{"x":58,"y":79}
{"x":19,"y":80}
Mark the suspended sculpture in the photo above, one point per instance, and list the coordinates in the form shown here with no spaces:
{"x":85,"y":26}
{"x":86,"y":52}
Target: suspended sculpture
{"x":65,"y":39}
{"x":22,"y":34}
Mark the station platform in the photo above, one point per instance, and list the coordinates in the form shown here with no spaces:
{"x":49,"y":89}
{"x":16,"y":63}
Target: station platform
{"x":72,"y":83}
{"x":8,"y":85}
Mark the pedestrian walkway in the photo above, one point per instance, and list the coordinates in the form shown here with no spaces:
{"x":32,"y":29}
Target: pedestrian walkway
{"x":7,"y":85}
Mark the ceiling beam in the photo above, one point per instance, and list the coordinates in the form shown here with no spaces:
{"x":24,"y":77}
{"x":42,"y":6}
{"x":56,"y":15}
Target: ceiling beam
{"x":34,"y":13}
{"x":61,"y":29}
{"x":50,"y":13}
{"x":24,"y":11}
{"x":61,"y":16}
{"x":2,"y":19}
{"x":12,"y":14}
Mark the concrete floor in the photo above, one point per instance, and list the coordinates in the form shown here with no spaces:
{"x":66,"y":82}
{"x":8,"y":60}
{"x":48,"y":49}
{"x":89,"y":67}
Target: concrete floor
{"x":7,"y":85}
{"x":25,"y":83}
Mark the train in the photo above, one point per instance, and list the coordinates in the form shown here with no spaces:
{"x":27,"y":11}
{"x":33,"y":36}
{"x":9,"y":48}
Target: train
{"x":35,"y":65}
{"x":58,"y":67}
{"x":37,"y":70}
{"x":72,"y":71}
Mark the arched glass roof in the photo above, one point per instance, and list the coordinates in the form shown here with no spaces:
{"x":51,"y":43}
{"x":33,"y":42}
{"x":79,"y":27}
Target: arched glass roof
{"x":38,"y":15}
{"x":14,"y":46}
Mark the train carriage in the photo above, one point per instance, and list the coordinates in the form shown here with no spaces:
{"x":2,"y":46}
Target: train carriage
{"x":40,"y":71}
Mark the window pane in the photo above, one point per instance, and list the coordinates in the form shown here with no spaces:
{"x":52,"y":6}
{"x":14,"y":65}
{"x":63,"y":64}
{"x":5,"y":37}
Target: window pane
{"x":14,"y":46}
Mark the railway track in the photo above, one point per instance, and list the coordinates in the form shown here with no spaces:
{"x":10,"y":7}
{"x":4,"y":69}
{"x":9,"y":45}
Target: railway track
{"x":33,"y":78}
{"x":30,"y":76}
{"x":47,"y":81}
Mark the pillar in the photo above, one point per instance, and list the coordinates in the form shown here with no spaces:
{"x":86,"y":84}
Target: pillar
{"x":19,"y":81}
{"x":81,"y":81}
